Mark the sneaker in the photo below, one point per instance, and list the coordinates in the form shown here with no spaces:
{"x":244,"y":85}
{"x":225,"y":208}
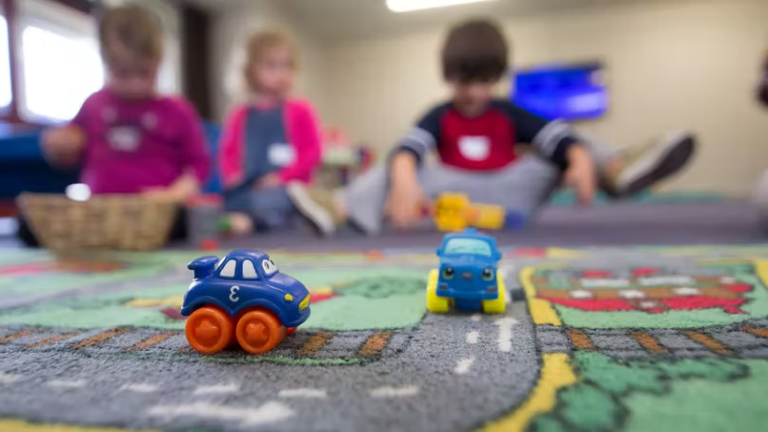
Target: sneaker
{"x":654,"y":164}
{"x":316,"y":205}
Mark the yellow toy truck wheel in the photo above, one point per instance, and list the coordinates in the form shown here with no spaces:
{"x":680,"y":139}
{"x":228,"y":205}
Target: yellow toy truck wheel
{"x":499,"y":304}
{"x":435,"y":303}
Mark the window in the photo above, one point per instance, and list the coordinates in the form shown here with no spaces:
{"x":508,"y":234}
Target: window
{"x":229,"y":269}
{"x":6,"y":94}
{"x":60,"y":64}
{"x":249,"y":271}
{"x":78,"y":73}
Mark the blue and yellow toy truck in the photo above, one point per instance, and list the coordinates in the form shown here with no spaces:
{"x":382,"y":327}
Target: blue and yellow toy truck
{"x":468,"y":278}
{"x":242,"y":298}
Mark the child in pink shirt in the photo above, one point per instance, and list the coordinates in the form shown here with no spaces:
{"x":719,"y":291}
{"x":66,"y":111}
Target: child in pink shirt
{"x":128,"y":138}
{"x":269,"y":141}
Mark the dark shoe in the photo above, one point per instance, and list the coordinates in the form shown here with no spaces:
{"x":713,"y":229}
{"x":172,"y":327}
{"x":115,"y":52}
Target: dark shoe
{"x":654,"y":164}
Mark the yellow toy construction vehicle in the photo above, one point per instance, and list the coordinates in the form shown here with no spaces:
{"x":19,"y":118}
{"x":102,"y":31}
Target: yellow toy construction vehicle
{"x":454,"y":212}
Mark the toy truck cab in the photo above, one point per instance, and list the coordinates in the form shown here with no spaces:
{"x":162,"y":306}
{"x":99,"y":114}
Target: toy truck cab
{"x":468,"y":277}
{"x":245,"y":297}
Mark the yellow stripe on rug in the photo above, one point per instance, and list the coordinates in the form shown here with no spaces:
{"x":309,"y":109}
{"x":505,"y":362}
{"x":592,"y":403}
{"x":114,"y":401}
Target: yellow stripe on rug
{"x":23,"y":426}
{"x":555,"y":374}
{"x":542,"y":311}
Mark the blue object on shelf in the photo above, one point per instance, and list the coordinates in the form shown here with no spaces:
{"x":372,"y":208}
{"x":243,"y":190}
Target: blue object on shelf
{"x":562,"y":91}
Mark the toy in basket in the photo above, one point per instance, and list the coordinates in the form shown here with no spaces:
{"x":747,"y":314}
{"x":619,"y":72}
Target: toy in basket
{"x":123,"y":222}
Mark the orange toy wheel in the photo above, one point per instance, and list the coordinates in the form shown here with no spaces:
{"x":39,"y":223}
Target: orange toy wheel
{"x":289,"y":331}
{"x":259,"y":331}
{"x":209,"y":330}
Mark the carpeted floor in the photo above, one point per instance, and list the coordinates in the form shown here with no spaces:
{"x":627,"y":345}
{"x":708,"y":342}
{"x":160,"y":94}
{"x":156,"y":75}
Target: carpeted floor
{"x":605,"y":339}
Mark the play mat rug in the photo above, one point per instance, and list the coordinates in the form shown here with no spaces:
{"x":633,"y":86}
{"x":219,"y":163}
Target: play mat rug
{"x":608,"y":339}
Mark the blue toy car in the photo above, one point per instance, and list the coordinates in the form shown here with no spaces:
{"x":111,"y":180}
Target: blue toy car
{"x":468,"y":277}
{"x":242,"y":298}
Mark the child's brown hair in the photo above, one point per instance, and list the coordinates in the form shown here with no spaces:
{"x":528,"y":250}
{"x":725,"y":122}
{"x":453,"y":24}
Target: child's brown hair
{"x":475,"y":51}
{"x":259,"y":43}
{"x":133,"y":28}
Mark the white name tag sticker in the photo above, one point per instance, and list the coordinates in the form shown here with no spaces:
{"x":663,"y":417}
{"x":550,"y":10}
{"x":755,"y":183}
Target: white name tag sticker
{"x":281,"y":154}
{"x":475,"y":148}
{"x":124,"y":138}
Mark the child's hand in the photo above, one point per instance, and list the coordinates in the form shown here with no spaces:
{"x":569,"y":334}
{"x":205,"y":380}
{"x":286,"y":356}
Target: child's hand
{"x":406,"y":197}
{"x":581,"y":174}
{"x":161,"y":194}
{"x":184,"y":188}
{"x":63,"y":145}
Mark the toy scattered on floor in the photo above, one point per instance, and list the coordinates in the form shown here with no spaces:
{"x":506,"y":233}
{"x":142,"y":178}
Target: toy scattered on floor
{"x":454,"y":212}
{"x":242,"y":298}
{"x":204,"y":213}
{"x":468,"y":277}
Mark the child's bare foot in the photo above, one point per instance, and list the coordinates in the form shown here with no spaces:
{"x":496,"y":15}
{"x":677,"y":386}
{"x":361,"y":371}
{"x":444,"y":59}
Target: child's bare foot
{"x":645,"y":168}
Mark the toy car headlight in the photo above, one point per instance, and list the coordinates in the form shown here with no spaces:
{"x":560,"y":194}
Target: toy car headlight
{"x":487,"y":274}
{"x":448,"y":273}
{"x":304,"y":303}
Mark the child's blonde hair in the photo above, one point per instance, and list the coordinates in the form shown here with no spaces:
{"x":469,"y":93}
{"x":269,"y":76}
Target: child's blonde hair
{"x":134,"y":29}
{"x":259,"y":43}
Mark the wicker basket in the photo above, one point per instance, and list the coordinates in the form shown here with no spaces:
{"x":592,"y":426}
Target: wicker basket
{"x":119,"y":222}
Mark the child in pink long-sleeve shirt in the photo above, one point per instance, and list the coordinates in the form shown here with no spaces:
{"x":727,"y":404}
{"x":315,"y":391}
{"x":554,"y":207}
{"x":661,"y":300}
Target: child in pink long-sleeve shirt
{"x":269,"y":141}
{"x":129,"y":138}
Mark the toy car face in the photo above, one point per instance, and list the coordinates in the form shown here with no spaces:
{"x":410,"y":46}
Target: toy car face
{"x":245,"y":279}
{"x":468,"y":266}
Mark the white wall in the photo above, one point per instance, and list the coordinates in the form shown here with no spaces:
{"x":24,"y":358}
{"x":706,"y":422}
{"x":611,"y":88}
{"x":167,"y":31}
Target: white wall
{"x":231,"y":30}
{"x":669,"y":66}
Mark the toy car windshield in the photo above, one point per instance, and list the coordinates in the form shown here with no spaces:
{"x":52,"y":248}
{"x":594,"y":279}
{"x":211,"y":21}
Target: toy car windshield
{"x":468,"y":246}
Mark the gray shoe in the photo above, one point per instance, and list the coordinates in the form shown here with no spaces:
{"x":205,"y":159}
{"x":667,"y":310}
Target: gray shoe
{"x":316,"y":206}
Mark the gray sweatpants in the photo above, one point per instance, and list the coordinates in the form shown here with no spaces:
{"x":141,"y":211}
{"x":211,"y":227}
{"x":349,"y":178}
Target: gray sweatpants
{"x":522,"y":187}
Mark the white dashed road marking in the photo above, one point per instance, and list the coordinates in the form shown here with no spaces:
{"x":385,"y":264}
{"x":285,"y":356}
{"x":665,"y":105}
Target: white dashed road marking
{"x":685,"y":291}
{"x":463,"y":366}
{"x":632,"y":294}
{"x":472,"y":337}
{"x":505,"y":333}
{"x":139,"y":388}
{"x":581,"y":294}
{"x":302,"y":393}
{"x":217,"y":389}
{"x":384,"y":392}
{"x":66,"y":383}
{"x":270,"y":412}
{"x":9,"y":378}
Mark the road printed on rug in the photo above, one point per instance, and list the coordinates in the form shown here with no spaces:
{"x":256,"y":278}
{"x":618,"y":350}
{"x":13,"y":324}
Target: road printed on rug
{"x":586,"y":340}
{"x":640,"y":368}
